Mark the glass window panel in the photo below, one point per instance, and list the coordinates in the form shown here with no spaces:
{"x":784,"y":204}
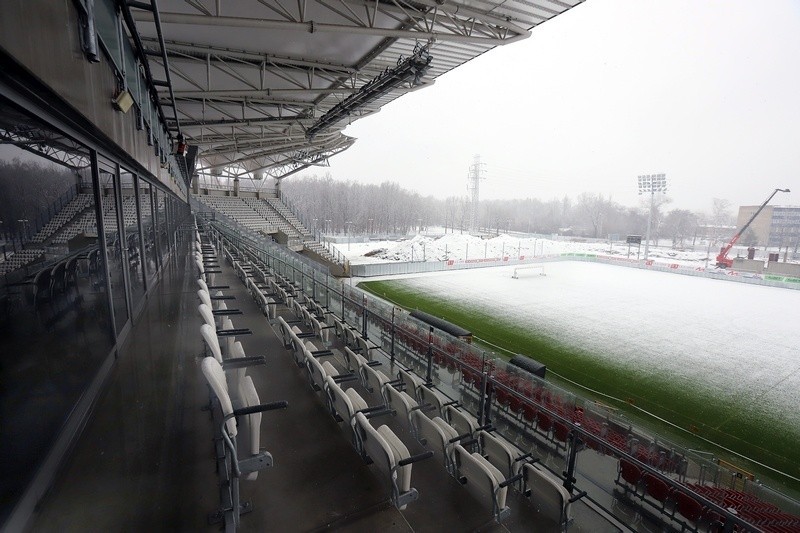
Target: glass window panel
{"x":131,"y":236}
{"x":161,"y":214}
{"x":148,"y":228}
{"x":114,"y":244}
{"x":54,"y":313}
{"x":106,"y":24}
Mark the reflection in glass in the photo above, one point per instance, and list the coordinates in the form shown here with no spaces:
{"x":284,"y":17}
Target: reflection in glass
{"x":161,"y":213}
{"x":114,"y":245}
{"x":54,"y":312}
{"x":148,"y":228}
{"x":130,"y":234}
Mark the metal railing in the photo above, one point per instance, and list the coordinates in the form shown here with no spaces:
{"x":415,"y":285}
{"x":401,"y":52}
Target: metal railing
{"x":599,"y":454}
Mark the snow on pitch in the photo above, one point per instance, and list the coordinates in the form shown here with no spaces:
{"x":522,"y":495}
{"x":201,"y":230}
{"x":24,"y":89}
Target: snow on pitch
{"x":739,"y":342}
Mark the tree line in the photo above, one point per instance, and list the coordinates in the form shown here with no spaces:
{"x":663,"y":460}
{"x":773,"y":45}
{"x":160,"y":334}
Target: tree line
{"x":349,"y":207}
{"x":27,"y":189}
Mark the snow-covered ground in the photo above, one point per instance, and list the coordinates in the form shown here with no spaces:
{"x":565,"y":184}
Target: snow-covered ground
{"x":739,"y":342}
{"x":457,"y":246}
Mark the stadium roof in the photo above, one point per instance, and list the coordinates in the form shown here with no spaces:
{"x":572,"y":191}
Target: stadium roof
{"x":251,"y":79}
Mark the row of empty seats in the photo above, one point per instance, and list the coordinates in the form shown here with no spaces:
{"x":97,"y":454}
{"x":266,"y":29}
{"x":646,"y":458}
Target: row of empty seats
{"x":67,"y":213}
{"x":20,"y":258}
{"x":235,"y":403}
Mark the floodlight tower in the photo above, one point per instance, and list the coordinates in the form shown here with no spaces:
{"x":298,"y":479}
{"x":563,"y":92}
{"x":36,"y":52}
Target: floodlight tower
{"x":651,"y":183}
{"x":473,"y":185}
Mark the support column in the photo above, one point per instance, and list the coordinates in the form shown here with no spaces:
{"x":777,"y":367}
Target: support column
{"x":236,"y":187}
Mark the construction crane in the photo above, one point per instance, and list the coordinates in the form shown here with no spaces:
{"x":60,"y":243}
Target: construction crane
{"x":722,"y":259}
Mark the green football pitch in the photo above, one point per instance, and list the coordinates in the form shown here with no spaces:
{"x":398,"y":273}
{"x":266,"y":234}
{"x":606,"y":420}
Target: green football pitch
{"x":689,"y":417}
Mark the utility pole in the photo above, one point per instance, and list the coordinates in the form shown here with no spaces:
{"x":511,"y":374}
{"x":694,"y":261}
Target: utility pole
{"x":473,"y":187}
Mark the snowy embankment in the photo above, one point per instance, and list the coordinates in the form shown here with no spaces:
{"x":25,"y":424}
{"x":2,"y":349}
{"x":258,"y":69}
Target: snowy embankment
{"x":453,"y":246}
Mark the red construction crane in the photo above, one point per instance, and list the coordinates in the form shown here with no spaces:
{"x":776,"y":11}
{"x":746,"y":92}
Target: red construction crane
{"x":722,"y":259}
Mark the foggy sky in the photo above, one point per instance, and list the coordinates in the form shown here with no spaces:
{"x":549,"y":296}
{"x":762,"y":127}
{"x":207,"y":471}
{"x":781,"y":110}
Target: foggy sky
{"x":705,"y":91}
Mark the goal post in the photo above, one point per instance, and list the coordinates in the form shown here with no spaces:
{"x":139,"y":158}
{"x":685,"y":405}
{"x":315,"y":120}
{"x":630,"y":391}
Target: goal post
{"x":536,"y":268}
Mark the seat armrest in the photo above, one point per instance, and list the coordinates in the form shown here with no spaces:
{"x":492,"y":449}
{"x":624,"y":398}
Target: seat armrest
{"x":240,"y":362}
{"x":283,"y":404}
{"x":226,"y":312}
{"x":509,"y":481}
{"x":374,"y":363}
{"x":458,"y":438}
{"x":321,"y":353}
{"x":373,"y":409}
{"x":233,"y":332}
{"x":415,"y":458}
{"x":381,"y":412}
{"x":342,"y":378}
{"x":223,"y":297}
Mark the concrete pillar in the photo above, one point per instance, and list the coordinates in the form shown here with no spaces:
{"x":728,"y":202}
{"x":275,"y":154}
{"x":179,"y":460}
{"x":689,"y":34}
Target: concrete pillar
{"x":236,"y":187}
{"x":196,"y":184}
{"x":278,"y":188}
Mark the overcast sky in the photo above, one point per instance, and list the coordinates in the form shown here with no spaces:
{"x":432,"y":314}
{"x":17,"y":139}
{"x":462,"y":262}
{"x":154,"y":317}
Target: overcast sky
{"x":707,"y":92}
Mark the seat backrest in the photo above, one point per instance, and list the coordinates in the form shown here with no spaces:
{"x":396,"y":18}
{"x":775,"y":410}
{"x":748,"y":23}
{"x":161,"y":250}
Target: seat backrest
{"x":401,"y":403}
{"x":386,"y":450}
{"x":340,"y":402}
{"x":205,"y":297}
{"x":411,"y":381}
{"x":547,"y":493}
{"x":463,"y":422}
{"x":365,"y":351}
{"x":432,"y":397}
{"x":201,"y":282}
{"x":374,"y":379}
{"x":207,"y":315}
{"x":435,"y":433}
{"x":316,"y":371}
{"x":356,"y":361}
{"x":215,"y":377}
{"x":501,"y":454}
{"x":209,"y":335}
{"x":483,"y":479}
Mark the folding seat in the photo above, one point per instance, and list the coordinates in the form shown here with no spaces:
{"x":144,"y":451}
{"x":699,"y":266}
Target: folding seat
{"x":483,"y":481}
{"x":318,"y":371}
{"x":374,"y":380}
{"x":657,"y":489}
{"x":438,"y":400}
{"x":320,"y":328}
{"x":403,"y":405}
{"x":350,"y":339}
{"x":366,"y":347}
{"x":231,"y":467}
{"x":501,"y":453}
{"x":411,"y":382}
{"x":630,"y":474}
{"x":463,"y":422}
{"x":437,"y":435}
{"x":209,"y":317}
{"x":689,"y":508}
{"x":391,"y":456}
{"x":343,"y":403}
{"x":548,"y":495}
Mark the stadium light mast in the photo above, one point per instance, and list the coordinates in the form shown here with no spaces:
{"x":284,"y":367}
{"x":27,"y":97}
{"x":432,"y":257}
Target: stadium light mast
{"x":651,"y":183}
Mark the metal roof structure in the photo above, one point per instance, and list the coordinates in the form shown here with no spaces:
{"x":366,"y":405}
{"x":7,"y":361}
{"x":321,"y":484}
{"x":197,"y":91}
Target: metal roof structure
{"x":250,"y":79}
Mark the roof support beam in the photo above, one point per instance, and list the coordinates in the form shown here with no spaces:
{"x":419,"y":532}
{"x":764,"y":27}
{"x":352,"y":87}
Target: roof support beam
{"x":247,"y":93}
{"x":312,"y":27}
